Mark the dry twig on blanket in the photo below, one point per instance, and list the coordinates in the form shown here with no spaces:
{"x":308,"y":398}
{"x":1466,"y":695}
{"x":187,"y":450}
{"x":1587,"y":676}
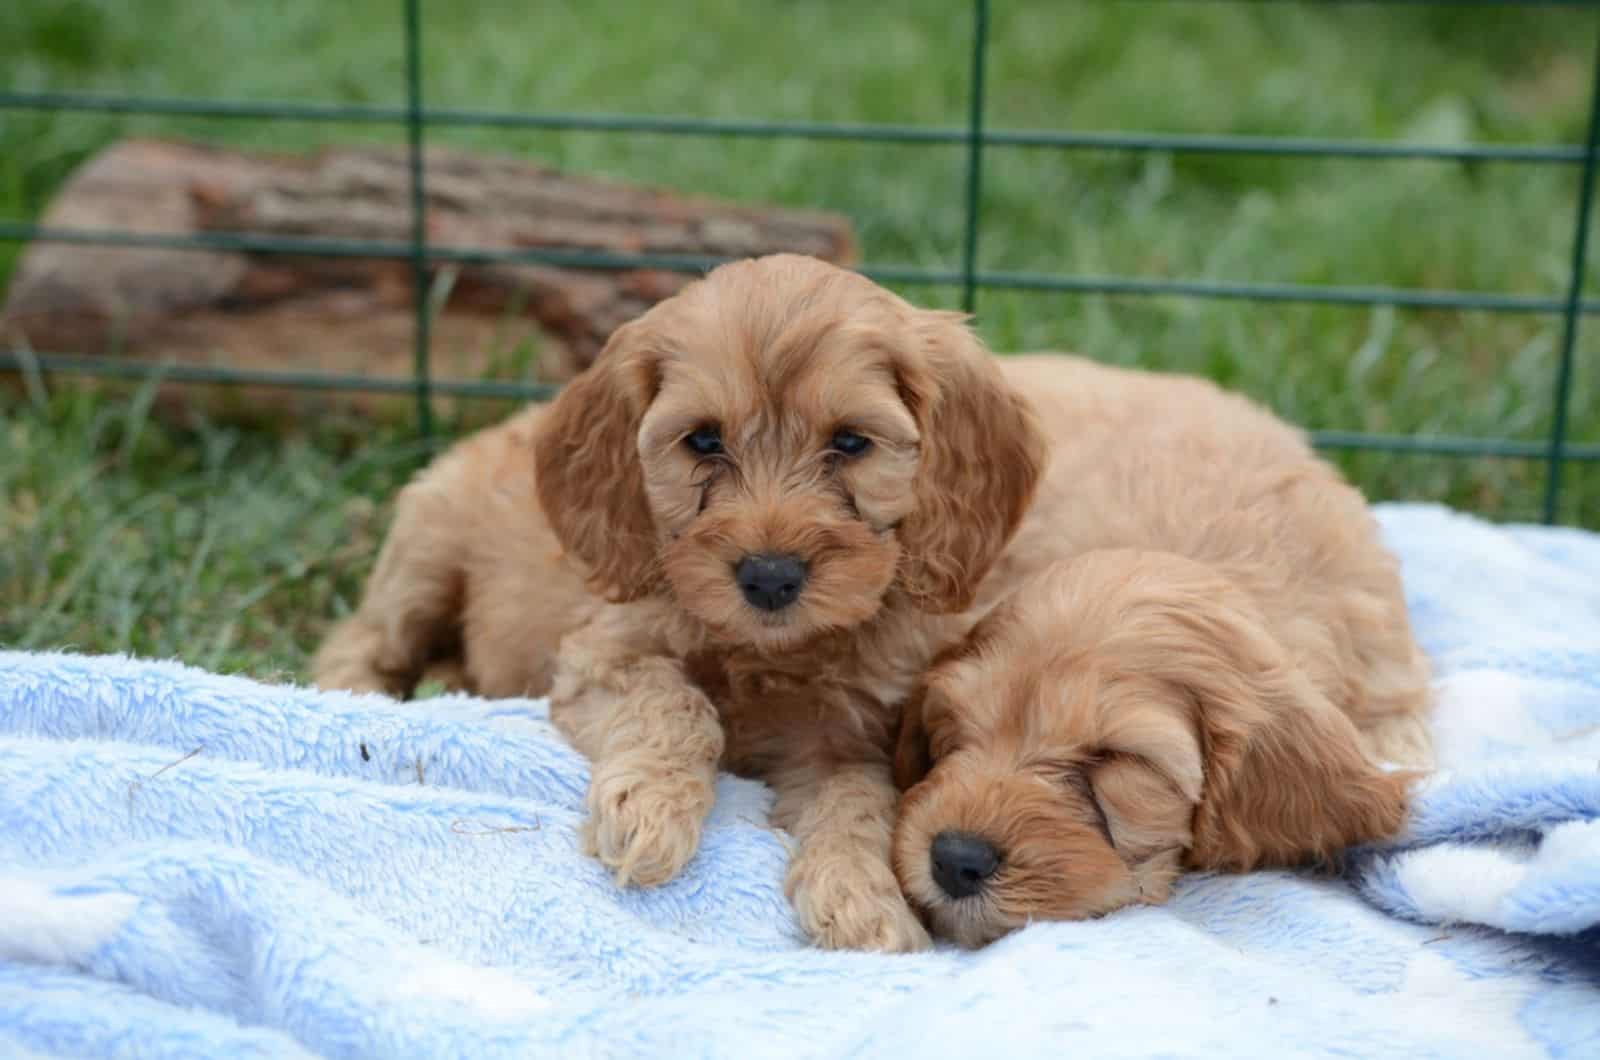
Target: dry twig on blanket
{"x":461,"y":827}
{"x":139,"y":782}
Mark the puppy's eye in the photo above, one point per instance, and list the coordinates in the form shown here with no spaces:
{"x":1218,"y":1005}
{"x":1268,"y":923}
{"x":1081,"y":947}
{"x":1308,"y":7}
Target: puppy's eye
{"x":1077,"y":780}
{"x":705,"y":441}
{"x":849,"y":443}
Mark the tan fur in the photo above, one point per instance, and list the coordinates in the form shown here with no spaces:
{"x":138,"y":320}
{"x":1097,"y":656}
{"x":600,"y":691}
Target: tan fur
{"x":665,"y":674}
{"x":1212,"y":676}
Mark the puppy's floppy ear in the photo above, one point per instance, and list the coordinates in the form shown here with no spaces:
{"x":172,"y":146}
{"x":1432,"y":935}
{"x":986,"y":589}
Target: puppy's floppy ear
{"x":591,"y":485}
{"x":1283,"y":779}
{"x":1300,"y":789}
{"x":982,"y":456}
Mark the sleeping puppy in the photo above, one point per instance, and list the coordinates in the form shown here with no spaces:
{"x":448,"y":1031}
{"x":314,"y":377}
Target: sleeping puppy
{"x":1208,"y":686}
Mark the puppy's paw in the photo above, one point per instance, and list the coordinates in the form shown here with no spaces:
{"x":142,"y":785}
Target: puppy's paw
{"x":644,"y":820}
{"x":851,"y":901}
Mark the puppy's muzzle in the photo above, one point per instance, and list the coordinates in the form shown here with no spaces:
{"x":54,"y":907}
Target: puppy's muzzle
{"x":962,"y":862}
{"x":771,"y":581}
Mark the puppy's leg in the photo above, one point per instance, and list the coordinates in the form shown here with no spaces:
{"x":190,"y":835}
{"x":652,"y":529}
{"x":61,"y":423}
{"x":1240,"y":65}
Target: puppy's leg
{"x":840,"y":880}
{"x":655,"y":780}
{"x":410,"y":608}
{"x":654,"y":741}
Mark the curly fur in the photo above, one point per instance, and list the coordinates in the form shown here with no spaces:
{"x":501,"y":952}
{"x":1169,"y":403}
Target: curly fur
{"x":580,"y":550}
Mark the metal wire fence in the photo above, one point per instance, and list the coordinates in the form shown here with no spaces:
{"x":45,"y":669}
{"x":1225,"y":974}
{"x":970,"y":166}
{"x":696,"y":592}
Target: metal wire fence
{"x":1556,"y":450}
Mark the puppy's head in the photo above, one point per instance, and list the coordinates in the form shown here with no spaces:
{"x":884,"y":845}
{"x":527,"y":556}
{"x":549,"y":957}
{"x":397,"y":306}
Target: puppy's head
{"x":782,"y":444}
{"x":1126,"y":715}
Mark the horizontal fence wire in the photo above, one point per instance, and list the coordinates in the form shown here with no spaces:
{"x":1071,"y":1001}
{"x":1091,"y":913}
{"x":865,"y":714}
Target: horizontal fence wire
{"x":665,"y":125}
{"x":969,"y":278}
{"x":244,"y":242}
{"x":146,"y":371}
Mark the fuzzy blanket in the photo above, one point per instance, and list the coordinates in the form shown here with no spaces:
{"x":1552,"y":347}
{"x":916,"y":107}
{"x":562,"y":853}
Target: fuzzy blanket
{"x":195,"y":865}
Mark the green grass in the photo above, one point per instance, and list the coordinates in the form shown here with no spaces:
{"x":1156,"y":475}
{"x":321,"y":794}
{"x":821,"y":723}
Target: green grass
{"x":218,"y":546}
{"x":233,"y":548}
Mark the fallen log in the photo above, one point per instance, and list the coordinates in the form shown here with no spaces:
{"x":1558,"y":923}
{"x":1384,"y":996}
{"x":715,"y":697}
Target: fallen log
{"x":494,"y":320}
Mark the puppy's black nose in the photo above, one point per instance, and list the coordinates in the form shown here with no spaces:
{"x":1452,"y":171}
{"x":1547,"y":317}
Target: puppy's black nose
{"x":961,"y":863}
{"x":771,"y":581}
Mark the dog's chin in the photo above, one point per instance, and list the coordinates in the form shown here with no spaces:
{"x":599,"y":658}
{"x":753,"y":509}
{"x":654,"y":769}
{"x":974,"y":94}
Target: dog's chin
{"x":732,"y":622}
{"x":970,"y":923}
{"x":1009,"y":903}
{"x":743,"y":626}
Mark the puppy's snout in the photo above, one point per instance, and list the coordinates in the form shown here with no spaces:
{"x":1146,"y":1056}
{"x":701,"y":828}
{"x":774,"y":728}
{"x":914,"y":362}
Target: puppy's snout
{"x":771,"y":581}
{"x":962,"y":862}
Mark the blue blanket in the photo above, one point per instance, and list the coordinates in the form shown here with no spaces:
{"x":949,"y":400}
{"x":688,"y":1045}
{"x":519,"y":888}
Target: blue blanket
{"x":194,"y":865}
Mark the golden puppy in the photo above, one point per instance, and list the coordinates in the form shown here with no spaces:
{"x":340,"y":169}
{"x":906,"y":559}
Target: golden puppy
{"x":748,"y":527}
{"x":1206,"y":685}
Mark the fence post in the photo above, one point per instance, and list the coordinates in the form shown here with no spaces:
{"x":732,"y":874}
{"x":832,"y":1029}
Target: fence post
{"x":969,"y":256}
{"x":1556,"y":453}
{"x":422,"y":327}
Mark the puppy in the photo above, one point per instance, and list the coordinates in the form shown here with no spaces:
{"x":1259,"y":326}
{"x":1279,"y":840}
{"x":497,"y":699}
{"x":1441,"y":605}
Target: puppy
{"x":737,"y":540}
{"x":1207,"y":684}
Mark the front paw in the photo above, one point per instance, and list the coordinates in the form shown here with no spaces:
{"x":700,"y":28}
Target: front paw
{"x":644,"y":820}
{"x":850,"y":900}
